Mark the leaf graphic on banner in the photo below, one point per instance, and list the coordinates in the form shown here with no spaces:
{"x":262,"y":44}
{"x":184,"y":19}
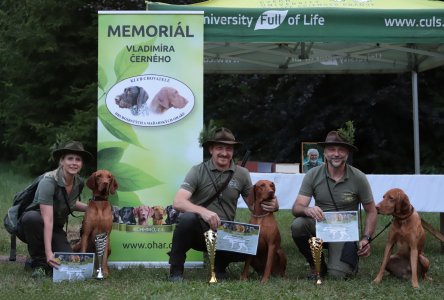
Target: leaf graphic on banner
{"x":113,"y":144}
{"x":109,"y":156}
{"x":270,"y":19}
{"x":114,"y":198}
{"x":131,"y":178}
{"x":130,"y":199}
{"x":119,"y":129}
{"x":102,"y":79}
{"x":124,"y":67}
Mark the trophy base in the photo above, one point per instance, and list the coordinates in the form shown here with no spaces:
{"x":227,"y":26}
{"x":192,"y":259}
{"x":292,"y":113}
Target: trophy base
{"x":213,"y":278}
{"x":99,"y":275}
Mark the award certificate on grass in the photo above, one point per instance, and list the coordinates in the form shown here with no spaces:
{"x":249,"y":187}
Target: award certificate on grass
{"x":73,"y":266}
{"x":238,"y":237}
{"x":338,"y":226}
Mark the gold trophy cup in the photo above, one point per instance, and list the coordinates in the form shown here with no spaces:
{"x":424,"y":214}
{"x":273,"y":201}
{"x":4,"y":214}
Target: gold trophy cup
{"x":316,"y":251}
{"x":210,"y":240}
{"x":100,"y":242}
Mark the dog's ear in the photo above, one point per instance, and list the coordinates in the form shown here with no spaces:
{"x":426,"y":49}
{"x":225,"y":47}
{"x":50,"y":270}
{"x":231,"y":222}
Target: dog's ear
{"x":113,"y":185}
{"x":136,"y":211}
{"x":163,"y":99}
{"x":142,"y":97}
{"x":402,"y":205}
{"x":251,"y":197}
{"x":156,"y":103}
{"x":91,"y":182}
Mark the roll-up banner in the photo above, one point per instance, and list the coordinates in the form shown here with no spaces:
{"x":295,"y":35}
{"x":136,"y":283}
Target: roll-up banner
{"x":150,"y":114}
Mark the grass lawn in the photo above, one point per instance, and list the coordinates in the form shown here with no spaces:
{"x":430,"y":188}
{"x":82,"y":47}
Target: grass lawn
{"x":145,"y":283}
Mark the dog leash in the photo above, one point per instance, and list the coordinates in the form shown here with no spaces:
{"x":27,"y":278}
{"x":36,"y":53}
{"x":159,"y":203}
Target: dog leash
{"x":372,"y":239}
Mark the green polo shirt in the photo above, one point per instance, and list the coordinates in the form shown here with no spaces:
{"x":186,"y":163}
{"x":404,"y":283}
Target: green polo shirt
{"x":348,"y":192}
{"x":51,"y":190}
{"x":200,"y":184}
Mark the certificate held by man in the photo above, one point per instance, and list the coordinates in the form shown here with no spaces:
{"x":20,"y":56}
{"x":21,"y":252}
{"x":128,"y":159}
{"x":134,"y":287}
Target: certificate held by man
{"x":238,"y":237}
{"x":338,"y":226}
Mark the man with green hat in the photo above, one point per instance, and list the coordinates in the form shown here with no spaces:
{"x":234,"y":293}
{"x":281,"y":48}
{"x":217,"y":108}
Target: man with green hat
{"x":57,"y":195}
{"x":335,"y":186}
{"x":208,"y":195}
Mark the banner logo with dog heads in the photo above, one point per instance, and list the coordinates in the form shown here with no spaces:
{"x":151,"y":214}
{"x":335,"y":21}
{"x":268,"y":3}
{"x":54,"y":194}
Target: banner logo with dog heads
{"x":150,"y":100}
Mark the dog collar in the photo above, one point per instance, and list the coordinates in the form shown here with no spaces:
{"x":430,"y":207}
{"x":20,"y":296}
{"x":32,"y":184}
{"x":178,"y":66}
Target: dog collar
{"x":260,"y":216}
{"x":412,"y":209}
{"x":98,"y":198}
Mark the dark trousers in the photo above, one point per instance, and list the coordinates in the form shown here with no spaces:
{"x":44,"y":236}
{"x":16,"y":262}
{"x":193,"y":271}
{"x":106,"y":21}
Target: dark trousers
{"x":189,"y":235}
{"x":31,"y":233}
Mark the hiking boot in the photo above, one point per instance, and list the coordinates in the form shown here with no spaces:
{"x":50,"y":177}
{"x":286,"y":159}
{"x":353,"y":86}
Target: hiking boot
{"x":28,"y":264}
{"x":221,"y":272}
{"x":38,"y":272}
{"x":222,"y":275}
{"x":176,"y":274}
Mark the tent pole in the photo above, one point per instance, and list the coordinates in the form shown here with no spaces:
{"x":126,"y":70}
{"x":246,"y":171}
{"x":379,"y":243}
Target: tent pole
{"x":415,"y":120}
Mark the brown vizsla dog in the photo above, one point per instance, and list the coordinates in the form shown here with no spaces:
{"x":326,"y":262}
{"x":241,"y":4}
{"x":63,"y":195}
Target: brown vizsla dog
{"x":98,"y":217}
{"x":270,"y":257}
{"x":407,"y":233}
{"x":158,"y":214}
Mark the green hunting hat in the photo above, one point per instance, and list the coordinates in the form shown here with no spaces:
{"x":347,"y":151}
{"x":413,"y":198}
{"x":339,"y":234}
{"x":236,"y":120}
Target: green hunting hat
{"x":72,"y":147}
{"x":222,"y":136}
{"x":334,"y":138}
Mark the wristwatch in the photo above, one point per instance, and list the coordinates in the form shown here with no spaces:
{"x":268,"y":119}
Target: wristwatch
{"x":367,"y":237}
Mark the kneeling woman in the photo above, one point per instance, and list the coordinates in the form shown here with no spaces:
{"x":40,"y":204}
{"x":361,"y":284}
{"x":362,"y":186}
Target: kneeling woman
{"x":57,"y":195}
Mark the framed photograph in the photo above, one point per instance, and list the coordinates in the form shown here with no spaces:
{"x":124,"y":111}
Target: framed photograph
{"x":312,"y":156}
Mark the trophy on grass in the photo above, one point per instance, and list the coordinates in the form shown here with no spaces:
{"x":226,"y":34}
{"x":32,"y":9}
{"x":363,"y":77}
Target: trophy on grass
{"x":100,"y":242}
{"x":316,"y":252}
{"x":210,"y":240}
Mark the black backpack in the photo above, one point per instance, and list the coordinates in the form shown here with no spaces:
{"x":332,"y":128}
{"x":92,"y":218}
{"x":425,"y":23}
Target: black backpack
{"x":21,"y":201}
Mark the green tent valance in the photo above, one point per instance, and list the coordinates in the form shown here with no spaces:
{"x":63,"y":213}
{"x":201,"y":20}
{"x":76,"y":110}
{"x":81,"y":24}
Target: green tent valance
{"x":324,"y":36}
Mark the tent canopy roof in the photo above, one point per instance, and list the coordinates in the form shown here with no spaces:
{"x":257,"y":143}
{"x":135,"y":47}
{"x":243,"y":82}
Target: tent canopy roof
{"x":323,"y":36}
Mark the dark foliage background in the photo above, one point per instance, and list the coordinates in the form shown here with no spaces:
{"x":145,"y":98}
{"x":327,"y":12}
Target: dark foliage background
{"x":48,"y":92}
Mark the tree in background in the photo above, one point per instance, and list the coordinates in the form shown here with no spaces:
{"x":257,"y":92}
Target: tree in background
{"x":273,"y":114}
{"x":48,"y":58}
{"x":48,"y":91}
